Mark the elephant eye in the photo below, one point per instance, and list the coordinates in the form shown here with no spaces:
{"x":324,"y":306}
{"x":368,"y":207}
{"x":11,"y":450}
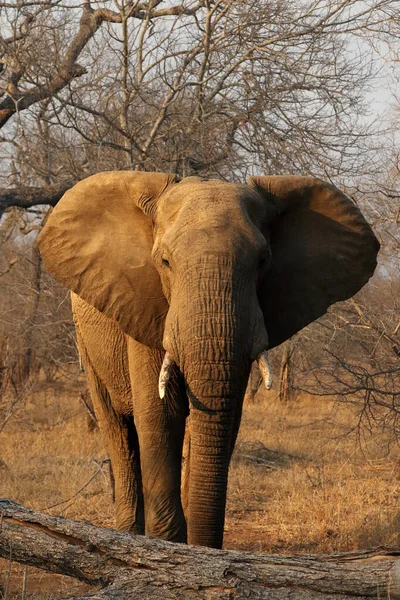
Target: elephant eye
{"x":165,"y":262}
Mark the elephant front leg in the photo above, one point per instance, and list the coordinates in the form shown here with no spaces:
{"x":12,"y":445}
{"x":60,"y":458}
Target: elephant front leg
{"x":160,"y":425}
{"x":123,"y":449}
{"x":103,"y":350}
{"x":120,"y":437}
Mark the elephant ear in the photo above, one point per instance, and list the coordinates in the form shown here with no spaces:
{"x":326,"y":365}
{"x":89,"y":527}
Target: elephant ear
{"x":98,"y":242}
{"x":323,"y":251}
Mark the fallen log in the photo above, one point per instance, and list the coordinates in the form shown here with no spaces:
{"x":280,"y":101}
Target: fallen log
{"x":120,"y":565}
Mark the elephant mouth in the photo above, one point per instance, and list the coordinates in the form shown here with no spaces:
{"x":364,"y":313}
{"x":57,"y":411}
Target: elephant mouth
{"x":168,"y":365}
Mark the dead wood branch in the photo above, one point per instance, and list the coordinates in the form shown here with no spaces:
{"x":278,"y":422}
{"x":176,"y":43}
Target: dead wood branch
{"x":25,"y":197}
{"x":18,"y":99}
{"x":122,"y":565}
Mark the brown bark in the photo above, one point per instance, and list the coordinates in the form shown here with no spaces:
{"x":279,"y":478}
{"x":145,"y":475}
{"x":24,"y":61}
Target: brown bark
{"x":121,"y":565}
{"x":285,"y":386}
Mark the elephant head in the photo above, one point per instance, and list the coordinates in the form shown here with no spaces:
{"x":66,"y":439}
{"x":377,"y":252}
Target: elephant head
{"x":213,"y":273}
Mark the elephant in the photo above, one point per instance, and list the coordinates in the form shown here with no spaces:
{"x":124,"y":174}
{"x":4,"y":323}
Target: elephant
{"x":178,"y":286}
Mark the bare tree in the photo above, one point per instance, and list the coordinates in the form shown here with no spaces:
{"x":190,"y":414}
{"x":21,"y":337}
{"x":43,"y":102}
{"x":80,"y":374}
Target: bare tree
{"x":215,"y":88}
{"x":36,"y":331}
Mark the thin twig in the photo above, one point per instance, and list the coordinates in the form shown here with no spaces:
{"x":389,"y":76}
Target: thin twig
{"x":99,"y":470}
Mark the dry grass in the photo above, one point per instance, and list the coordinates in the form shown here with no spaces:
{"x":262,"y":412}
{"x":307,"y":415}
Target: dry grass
{"x":48,"y":454}
{"x":322,"y":492}
{"x":297,"y":482}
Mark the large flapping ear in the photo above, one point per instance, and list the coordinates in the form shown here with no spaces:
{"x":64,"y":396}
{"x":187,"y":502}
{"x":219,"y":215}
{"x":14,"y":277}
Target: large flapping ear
{"x":98,"y":242}
{"x":323,"y":251}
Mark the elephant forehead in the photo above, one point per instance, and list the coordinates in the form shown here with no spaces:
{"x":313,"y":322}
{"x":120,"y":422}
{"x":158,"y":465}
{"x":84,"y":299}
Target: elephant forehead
{"x":211,"y":222}
{"x":213,"y":202}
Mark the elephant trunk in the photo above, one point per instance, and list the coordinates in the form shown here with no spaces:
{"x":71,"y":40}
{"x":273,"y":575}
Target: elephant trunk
{"x":210,"y":454}
{"x":216,"y":341}
{"x":215,"y":411}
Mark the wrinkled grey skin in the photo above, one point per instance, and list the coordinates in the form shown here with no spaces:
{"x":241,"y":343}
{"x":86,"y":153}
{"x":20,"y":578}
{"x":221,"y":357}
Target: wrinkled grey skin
{"x":223,"y":272}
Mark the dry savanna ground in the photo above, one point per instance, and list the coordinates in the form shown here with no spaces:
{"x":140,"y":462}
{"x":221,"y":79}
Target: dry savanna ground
{"x":299,"y":482}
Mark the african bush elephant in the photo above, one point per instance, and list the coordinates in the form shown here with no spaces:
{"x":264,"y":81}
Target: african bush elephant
{"x":194,"y":279}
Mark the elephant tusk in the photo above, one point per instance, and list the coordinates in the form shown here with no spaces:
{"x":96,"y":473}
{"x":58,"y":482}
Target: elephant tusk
{"x":165,"y":374}
{"x":265,"y":369}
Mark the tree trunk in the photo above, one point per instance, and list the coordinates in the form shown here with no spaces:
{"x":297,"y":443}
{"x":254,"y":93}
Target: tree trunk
{"x":35,"y":287}
{"x":285,"y":374}
{"x":121,"y":565}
